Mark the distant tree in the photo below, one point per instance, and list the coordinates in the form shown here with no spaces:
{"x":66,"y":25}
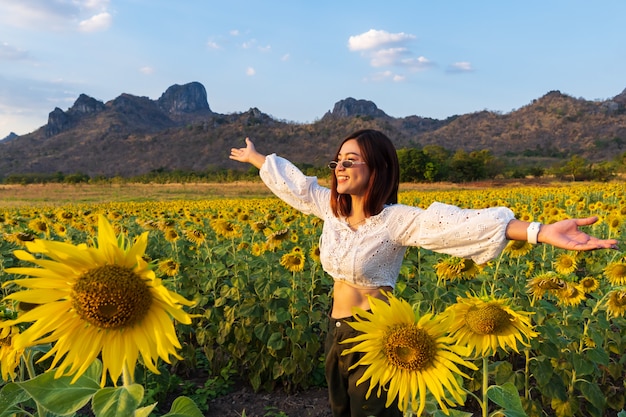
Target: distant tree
{"x":439,"y":157}
{"x":412,"y":164}
{"x":576,"y":166}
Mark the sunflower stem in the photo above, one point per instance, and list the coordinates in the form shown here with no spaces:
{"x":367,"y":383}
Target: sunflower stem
{"x":485,"y":402}
{"x":527,"y":375}
{"x":30,"y":368}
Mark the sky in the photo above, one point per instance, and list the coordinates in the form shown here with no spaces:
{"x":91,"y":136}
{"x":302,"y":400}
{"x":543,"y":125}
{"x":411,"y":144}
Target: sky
{"x":295,"y":59}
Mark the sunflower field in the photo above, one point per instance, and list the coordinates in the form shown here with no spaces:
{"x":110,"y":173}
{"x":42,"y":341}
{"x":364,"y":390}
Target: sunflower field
{"x":261,"y":300}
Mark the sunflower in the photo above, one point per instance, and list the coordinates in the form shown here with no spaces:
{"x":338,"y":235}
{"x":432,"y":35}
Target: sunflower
{"x":589,"y":284}
{"x":166,"y":224}
{"x":484,"y":324}
{"x":39,"y":226}
{"x":258,"y":226}
{"x":547,"y":282}
{"x":171,"y":235}
{"x":96,"y":300}
{"x":169,"y":267}
{"x":565,"y":264}
{"x":530,"y":268}
{"x":293,"y":261}
{"x":19,"y":238}
{"x":257,"y":249}
{"x":59,"y":229}
{"x":195,"y":236}
{"x":275,"y":240}
{"x":615,"y":223}
{"x":518,"y":248}
{"x":9,"y":356}
{"x":314,"y":253}
{"x":449,"y":268}
{"x":616,"y":273}
{"x":407,"y":355}
{"x":457,"y":268}
{"x":470,"y":269}
{"x":571,"y":295}
{"x":616,"y":303}
{"x":225,"y":228}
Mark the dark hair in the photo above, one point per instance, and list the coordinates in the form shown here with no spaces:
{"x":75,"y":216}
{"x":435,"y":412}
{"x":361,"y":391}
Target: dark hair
{"x":382,"y":160}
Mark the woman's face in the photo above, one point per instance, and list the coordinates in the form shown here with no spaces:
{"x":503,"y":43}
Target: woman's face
{"x":352,"y":180}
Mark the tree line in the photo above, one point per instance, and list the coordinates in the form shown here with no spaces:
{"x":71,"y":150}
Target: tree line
{"x":428,"y":164}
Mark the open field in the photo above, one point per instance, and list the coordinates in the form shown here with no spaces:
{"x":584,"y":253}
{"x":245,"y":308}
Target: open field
{"x":60,"y":194}
{"x":14,"y":195}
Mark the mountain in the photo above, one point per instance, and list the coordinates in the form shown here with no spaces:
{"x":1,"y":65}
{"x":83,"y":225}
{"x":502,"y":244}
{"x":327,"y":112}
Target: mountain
{"x":133,"y":135}
{"x":10,"y":136}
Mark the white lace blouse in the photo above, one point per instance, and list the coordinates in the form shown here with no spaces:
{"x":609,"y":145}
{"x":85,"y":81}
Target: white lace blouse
{"x":371,"y":256}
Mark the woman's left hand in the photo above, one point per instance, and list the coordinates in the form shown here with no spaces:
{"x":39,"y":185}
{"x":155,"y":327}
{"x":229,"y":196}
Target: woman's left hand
{"x":565,"y":234}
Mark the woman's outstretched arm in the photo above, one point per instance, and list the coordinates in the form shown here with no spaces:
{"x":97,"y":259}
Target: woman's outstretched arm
{"x":564,"y":234}
{"x":248,"y":154}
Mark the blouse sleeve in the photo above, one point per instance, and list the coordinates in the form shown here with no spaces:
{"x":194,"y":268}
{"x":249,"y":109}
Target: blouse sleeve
{"x":478,"y":234}
{"x":289,"y":184}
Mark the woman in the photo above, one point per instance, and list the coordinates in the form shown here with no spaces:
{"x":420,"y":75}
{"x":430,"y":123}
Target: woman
{"x":366,"y":233}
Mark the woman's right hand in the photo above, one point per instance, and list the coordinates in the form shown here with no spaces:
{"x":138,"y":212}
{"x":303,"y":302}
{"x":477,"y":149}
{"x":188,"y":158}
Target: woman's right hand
{"x":248,"y":154}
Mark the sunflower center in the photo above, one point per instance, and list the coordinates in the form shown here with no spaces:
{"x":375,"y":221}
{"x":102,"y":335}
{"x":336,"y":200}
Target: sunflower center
{"x":410,"y":348}
{"x":518,"y":244}
{"x":489,"y":319}
{"x":111,"y":297}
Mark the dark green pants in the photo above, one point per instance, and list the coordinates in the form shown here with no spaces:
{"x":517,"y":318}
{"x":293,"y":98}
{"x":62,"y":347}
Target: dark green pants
{"x":346,"y":398}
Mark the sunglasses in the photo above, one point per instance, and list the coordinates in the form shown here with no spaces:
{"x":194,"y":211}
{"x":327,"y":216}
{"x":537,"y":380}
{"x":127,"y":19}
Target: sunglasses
{"x":345,"y":164}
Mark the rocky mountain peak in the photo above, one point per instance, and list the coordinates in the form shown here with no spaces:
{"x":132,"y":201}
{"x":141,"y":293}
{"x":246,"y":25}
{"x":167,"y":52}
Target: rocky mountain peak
{"x":186,"y":98}
{"x":351,"y":107}
{"x":86,"y":105}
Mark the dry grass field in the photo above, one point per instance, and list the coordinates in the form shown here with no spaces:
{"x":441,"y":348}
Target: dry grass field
{"x":61,"y":194}
{"x":13,"y":195}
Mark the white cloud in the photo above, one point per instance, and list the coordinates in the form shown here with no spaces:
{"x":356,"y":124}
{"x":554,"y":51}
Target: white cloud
{"x":248,"y":44}
{"x":375,"y":39}
{"x":391,"y":51}
{"x":386,"y":57}
{"x":234,"y":32}
{"x":250,"y":71}
{"x":417,"y":64}
{"x":11,"y":53}
{"x":213,"y":45}
{"x":285,"y":57}
{"x":386,"y":75}
{"x":147,"y":70}
{"x":56,"y":15}
{"x":461,"y":66}
{"x":96,"y":23}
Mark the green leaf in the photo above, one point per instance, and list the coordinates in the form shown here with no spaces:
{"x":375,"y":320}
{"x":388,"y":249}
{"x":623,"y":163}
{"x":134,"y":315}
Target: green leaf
{"x":598,"y":355}
{"x":452,"y":413}
{"x":184,"y":407}
{"x":59,"y":395}
{"x":262,"y":331}
{"x":582,"y":366}
{"x":593,"y":394}
{"x":117,"y":402}
{"x":145,"y":411}
{"x":282,"y":315}
{"x":542,"y":371}
{"x":276,"y":341}
{"x":10,"y":396}
{"x":507,"y":397}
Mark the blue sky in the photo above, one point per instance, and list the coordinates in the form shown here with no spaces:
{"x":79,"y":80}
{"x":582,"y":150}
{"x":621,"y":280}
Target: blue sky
{"x":295,"y":59}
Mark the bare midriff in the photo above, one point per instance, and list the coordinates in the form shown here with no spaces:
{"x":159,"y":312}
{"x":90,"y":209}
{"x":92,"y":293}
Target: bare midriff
{"x":347,"y":296}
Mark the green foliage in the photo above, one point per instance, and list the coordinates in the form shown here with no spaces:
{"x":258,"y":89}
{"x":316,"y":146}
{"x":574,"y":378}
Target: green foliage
{"x":64,"y":397}
{"x":257,"y":323}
